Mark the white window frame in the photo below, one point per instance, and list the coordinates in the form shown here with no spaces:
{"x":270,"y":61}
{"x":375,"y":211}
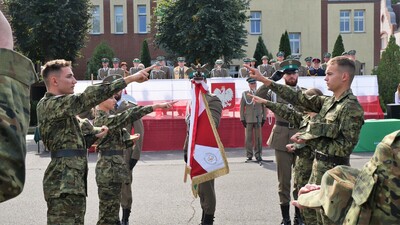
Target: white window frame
{"x":295,"y":40}
{"x":142,"y":16}
{"x":359,"y":21}
{"x":255,"y":22}
{"x":95,"y":17}
{"x":118,"y":16}
{"x":345,"y":20}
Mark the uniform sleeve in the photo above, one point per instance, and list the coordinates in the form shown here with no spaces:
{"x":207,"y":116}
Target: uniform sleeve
{"x":242,"y":106}
{"x":285,"y":112}
{"x":215,"y":106}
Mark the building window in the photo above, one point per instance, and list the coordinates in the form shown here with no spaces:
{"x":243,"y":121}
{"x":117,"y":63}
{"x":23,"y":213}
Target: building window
{"x":359,"y":20}
{"x":345,"y":21}
{"x":95,"y":19}
{"x":255,"y":22}
{"x":119,"y":18}
{"x":142,"y":17}
{"x":294,"y":39}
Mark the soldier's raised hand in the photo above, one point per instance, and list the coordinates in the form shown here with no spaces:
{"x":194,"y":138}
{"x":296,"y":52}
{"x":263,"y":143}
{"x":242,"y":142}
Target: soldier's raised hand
{"x":103,"y":132}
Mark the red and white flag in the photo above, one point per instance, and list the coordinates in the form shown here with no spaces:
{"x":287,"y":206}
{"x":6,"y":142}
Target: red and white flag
{"x":206,"y":155}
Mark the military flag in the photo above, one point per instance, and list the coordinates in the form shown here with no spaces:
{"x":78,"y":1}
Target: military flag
{"x":206,"y":155}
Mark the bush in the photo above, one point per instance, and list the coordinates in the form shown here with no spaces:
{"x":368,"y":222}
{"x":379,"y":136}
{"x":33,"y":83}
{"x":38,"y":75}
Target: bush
{"x":102,"y":50}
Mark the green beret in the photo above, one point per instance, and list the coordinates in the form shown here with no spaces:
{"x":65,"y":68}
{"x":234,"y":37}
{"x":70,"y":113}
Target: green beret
{"x":136,"y":60}
{"x":280,"y":54}
{"x":251,"y":80}
{"x":219,"y":61}
{"x":181,"y":59}
{"x":264,"y":57}
{"x":308,"y":59}
{"x":290,"y":65}
{"x":352,"y":52}
{"x":104,"y":60}
{"x":111,"y":78}
{"x":115,"y":60}
{"x":327,"y":55}
{"x":160,"y":58}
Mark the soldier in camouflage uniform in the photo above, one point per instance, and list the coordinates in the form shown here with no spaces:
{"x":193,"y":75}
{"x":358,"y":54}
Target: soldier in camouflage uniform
{"x":304,"y":153}
{"x":16,"y":75}
{"x":65,"y":179}
{"x":370,"y":196}
{"x":111,"y":170}
{"x":335,"y":129}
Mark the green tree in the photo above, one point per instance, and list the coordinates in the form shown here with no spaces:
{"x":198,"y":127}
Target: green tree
{"x":49,"y":29}
{"x":284,"y":44}
{"x":202,"y":30}
{"x":102,"y":50}
{"x":338,"y":48}
{"x":145,"y":54}
{"x":388,"y":72}
{"x":261,"y":50}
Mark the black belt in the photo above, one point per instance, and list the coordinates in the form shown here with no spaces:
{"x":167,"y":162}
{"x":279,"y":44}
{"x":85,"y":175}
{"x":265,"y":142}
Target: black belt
{"x":111,"y":152}
{"x":68,"y":153}
{"x":284,"y":124}
{"x":336,"y":160}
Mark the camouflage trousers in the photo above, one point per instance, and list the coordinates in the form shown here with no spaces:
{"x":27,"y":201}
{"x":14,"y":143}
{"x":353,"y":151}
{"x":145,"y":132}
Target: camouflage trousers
{"x":126,"y":192}
{"x":110,"y":198}
{"x":65,"y":210}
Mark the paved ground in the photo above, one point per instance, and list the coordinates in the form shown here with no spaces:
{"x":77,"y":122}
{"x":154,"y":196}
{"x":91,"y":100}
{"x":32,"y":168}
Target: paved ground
{"x":246,"y":196}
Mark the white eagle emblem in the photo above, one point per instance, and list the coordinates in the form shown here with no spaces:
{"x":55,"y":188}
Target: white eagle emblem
{"x":225,"y":95}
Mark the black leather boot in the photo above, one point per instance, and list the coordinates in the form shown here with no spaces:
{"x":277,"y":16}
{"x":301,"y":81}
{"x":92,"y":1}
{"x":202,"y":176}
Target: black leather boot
{"x":285,"y":215}
{"x":298,"y":220}
{"x":208,"y":219}
{"x":125,"y":216}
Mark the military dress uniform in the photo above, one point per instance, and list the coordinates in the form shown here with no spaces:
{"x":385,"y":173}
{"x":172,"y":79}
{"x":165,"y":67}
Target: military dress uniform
{"x":253,"y":116}
{"x":16,"y":75}
{"x":102,"y":73}
{"x":266,"y":70}
{"x":358,"y":66}
{"x":116,"y":71}
{"x":131,"y":157}
{"x":65,"y":179}
{"x":206,"y":189}
{"x":219,"y":72}
{"x":181,"y":72}
{"x":158,"y":74}
{"x":111,"y":170}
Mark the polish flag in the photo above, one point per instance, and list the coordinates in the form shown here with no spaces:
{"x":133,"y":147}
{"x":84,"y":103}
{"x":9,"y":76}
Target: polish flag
{"x":206,"y":155}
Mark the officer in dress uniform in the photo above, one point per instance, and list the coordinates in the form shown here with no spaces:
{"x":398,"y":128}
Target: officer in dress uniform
{"x":253,"y":62}
{"x":218,"y":71}
{"x":327,"y":57}
{"x":116,"y":70}
{"x":280,"y":56}
{"x":252,"y":116}
{"x":265,"y":69}
{"x":243,"y":71}
{"x":181,"y":71}
{"x":157,"y":73}
{"x":103,"y":72}
{"x":358,"y":64}
{"x":164,"y":67}
{"x":136,"y":66}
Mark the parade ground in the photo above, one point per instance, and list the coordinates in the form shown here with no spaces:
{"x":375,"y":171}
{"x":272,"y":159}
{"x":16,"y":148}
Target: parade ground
{"x":248,"y":195}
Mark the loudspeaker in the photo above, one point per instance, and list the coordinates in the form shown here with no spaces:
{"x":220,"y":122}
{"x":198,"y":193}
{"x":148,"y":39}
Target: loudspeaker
{"x":393,"y":111}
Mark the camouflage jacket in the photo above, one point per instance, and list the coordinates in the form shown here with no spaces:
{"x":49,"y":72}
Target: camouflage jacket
{"x":16,"y":75}
{"x":335,"y":129}
{"x":60,"y":129}
{"x":89,"y":131}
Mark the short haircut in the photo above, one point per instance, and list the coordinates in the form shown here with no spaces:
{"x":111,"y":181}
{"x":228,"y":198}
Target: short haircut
{"x":54,"y":66}
{"x":345,"y":64}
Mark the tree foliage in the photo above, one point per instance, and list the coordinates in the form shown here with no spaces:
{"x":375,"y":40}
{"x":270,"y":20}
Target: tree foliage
{"x":338,"y":48}
{"x":102,"y":50}
{"x":145,"y":54}
{"x":388,"y":72}
{"x":202,"y":30}
{"x":284,"y":44}
{"x":49,"y":29}
{"x":261,"y":50}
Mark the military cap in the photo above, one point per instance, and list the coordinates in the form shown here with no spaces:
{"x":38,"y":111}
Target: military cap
{"x":111,"y":78}
{"x":264,"y":57}
{"x":316,"y":59}
{"x":160,"y":58}
{"x":136,"y":60}
{"x":181,"y":59}
{"x":115,"y":60}
{"x":280,"y":54}
{"x":158,"y":64}
{"x":253,"y":60}
{"x":219,"y":61}
{"x":308,"y":59}
{"x":327,"y":55}
{"x":345,"y":53}
{"x":290,"y":65}
{"x":104,"y":60}
{"x":251,"y":80}
{"x":246,"y":60}
{"x":272,"y":61}
{"x":352,"y":52}
{"x":123,"y":63}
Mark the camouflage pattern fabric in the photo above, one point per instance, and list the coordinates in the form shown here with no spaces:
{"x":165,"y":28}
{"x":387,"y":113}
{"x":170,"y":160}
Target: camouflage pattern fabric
{"x":89,"y":131}
{"x":109,"y":203}
{"x":16,"y":75}
{"x":60,"y":210}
